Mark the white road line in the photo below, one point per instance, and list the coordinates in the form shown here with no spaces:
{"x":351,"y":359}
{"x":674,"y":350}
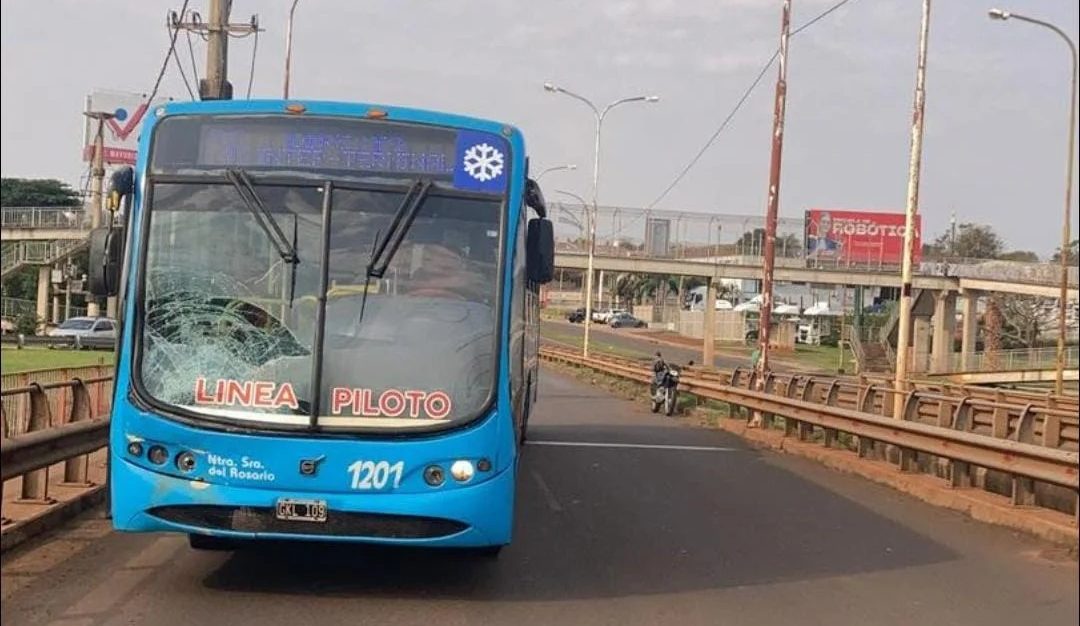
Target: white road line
{"x":642,"y":446}
{"x":552,"y":503}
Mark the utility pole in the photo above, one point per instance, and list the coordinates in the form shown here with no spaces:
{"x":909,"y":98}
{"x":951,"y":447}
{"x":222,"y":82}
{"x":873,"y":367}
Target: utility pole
{"x":215,"y":85}
{"x":765,"y":315}
{"x":914,"y":169}
{"x":97,"y":184}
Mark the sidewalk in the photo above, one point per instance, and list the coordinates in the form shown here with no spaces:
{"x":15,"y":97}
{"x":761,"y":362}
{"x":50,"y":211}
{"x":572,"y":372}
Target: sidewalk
{"x":23,"y":520}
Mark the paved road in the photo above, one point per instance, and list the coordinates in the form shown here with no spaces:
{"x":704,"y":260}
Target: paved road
{"x":625,"y":340}
{"x":607,"y":534}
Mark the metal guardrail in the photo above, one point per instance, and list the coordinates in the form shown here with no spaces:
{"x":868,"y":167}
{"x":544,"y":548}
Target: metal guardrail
{"x":53,"y":422}
{"x":12,"y":308}
{"x":77,"y":343}
{"x":947,"y":435}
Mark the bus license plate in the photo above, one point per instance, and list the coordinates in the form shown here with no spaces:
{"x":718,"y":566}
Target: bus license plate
{"x":301,"y":510}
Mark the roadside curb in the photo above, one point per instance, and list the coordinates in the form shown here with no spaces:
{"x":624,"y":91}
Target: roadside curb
{"x":50,"y":518}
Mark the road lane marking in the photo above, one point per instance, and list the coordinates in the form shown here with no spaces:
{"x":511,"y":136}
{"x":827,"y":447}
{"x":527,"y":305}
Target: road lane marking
{"x":641,"y":446}
{"x":552,"y":502}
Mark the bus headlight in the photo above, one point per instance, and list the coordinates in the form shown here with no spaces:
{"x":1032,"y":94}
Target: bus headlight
{"x":185,"y":461}
{"x":157,"y":455}
{"x":434,"y":475}
{"x":462,"y":471}
{"x":134,"y":448}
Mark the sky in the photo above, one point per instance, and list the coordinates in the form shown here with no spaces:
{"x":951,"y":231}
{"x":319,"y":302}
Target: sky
{"x":996,"y":99}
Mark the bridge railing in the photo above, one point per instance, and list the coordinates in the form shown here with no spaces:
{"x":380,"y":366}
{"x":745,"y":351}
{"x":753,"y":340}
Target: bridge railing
{"x":37,"y":252}
{"x":739,"y":240}
{"x":44,"y":217}
{"x":1023,"y":359}
{"x":51,"y":417}
{"x":11,"y":308}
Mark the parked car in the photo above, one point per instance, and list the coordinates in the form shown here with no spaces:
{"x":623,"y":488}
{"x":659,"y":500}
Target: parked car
{"x":577,"y":316}
{"x":90,"y":327}
{"x":625,"y":320}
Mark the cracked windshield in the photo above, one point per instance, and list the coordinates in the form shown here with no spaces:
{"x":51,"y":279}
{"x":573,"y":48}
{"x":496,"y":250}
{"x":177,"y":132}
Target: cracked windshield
{"x":230,"y":320}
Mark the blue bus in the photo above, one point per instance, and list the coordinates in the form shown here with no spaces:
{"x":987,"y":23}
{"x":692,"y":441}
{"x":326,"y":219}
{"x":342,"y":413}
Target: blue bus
{"x":329,"y":324}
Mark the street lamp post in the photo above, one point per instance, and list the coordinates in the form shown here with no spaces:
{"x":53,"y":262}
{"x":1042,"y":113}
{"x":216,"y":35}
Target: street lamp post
{"x":1066,"y":227}
{"x":555,"y":168}
{"x":577,"y":223}
{"x":288,"y":47}
{"x":600,"y":114}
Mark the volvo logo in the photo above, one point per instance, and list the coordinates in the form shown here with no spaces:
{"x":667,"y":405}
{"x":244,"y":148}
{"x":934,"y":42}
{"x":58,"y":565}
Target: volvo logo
{"x":308,"y":467}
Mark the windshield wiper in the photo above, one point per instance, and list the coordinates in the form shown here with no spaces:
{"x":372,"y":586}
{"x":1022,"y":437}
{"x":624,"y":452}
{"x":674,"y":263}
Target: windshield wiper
{"x":286,"y":249}
{"x":242,"y":181}
{"x":383,"y":250}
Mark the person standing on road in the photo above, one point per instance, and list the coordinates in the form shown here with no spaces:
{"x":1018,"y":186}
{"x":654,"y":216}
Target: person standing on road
{"x":658,"y":368}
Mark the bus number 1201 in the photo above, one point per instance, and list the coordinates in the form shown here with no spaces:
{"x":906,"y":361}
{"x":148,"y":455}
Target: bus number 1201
{"x":375,"y":474}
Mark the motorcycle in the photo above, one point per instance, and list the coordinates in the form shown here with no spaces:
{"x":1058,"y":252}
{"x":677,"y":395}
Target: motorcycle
{"x":664,"y":390}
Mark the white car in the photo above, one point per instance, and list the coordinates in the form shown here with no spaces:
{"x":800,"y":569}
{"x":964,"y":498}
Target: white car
{"x":95,"y":327}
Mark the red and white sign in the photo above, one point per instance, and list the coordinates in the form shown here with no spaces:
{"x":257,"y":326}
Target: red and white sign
{"x":121,"y":133}
{"x":261,"y":394}
{"x":858,"y":236}
{"x":390,"y":403}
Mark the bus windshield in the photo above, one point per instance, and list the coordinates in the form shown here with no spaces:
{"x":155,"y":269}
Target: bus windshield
{"x":228,"y":324}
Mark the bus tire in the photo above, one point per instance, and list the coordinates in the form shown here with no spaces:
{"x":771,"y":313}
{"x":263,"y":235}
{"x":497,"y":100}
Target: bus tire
{"x":207,"y":542}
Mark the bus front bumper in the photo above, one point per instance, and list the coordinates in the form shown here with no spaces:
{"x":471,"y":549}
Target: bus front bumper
{"x":474,"y":516}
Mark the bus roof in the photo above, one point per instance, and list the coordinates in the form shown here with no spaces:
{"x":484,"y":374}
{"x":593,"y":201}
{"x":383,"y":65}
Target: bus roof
{"x":337,"y":108}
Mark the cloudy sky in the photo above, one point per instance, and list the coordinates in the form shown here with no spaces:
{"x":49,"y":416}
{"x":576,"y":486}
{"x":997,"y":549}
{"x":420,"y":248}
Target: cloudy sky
{"x":997,"y":93}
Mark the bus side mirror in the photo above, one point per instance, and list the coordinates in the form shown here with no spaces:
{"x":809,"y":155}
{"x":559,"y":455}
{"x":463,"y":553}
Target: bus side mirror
{"x":121,"y":185}
{"x":540,"y":250}
{"x":534,"y":198}
{"x":106,"y":255}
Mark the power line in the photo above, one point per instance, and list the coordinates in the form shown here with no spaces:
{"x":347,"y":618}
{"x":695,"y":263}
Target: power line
{"x":191,"y":53}
{"x":254,"y":52}
{"x":179,"y":65}
{"x":168,"y":55}
{"x":741,"y":101}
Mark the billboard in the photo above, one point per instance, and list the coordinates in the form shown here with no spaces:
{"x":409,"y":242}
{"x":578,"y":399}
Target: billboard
{"x":863,"y":237}
{"x":121,"y":133}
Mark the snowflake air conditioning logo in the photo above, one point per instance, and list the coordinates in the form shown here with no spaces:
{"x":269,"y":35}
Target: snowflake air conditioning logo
{"x":483,"y":162}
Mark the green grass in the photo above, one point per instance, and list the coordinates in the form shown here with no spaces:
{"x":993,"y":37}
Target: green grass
{"x":596,"y":343}
{"x":13,"y":361}
{"x":825,"y":358}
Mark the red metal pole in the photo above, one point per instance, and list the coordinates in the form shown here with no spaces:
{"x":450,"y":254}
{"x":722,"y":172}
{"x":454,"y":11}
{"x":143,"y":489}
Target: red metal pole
{"x":772,"y":209}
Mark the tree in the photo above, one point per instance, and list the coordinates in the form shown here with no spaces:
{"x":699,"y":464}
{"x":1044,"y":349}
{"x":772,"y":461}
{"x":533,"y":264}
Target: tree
{"x":25,"y":192}
{"x":973,"y":241}
{"x":1025,"y":256}
{"x":1072,"y":254}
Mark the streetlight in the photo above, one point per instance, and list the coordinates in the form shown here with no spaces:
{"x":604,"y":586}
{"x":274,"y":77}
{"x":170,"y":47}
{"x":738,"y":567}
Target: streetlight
{"x":556,"y":168}
{"x":573,"y":218}
{"x":288,"y":46}
{"x":1066,"y":228}
{"x":600,"y":114}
